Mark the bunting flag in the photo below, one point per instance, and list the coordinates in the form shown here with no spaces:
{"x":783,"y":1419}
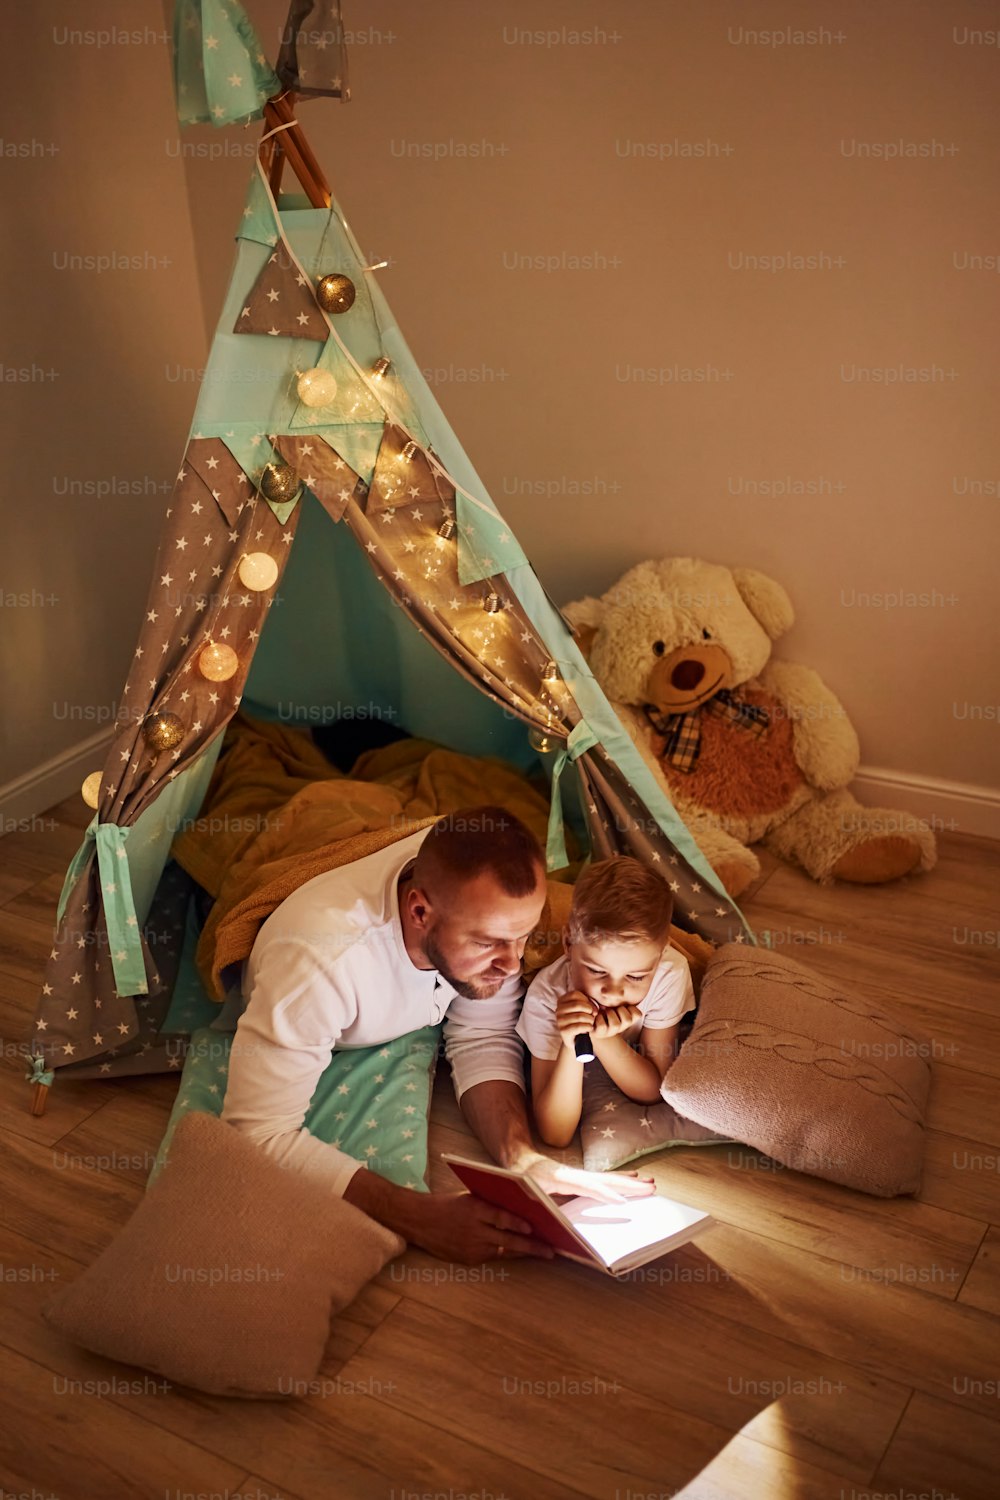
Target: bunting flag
{"x":313,"y":57}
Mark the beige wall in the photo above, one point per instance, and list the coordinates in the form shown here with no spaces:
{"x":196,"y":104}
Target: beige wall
{"x":92,"y":431}
{"x":668,"y":148}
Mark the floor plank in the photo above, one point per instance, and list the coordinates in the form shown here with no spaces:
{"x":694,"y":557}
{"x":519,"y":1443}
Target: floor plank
{"x":61,"y":1436}
{"x":982,"y":1285}
{"x":941,"y":1450}
{"x":813,"y":1408}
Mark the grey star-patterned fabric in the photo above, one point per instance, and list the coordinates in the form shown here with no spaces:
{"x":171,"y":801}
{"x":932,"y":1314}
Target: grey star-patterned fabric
{"x":323,"y":471}
{"x":615,"y":1129}
{"x":313,"y":56}
{"x":404,"y":474}
{"x":197,"y":598}
{"x":281,"y":303}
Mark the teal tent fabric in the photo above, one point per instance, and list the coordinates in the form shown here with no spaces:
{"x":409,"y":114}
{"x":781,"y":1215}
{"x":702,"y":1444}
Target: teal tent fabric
{"x":220,"y":72}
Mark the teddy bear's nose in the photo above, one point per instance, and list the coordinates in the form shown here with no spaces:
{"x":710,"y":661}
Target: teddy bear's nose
{"x":687,"y":675}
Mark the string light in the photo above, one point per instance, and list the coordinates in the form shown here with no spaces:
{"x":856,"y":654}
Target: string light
{"x":445,"y":531}
{"x":91,"y":789}
{"x":408,"y":452}
{"x":551,"y":672}
{"x":316,"y":387}
{"x":492,"y":603}
{"x":279,"y":482}
{"x":218,"y":662}
{"x":380,"y":368}
{"x":258,"y":571}
{"x":542,"y":741}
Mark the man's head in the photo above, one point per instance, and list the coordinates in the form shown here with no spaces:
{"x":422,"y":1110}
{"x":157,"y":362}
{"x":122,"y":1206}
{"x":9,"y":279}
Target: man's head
{"x":618,"y":926}
{"x":474,"y":897}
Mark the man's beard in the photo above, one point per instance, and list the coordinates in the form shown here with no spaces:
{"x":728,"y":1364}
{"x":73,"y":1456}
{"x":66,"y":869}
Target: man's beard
{"x":470,"y":989}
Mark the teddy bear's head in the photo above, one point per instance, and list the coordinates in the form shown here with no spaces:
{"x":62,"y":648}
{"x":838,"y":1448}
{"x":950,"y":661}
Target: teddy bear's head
{"x":670,"y":634}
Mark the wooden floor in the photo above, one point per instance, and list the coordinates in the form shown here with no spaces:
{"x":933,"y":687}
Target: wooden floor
{"x":816,"y":1342}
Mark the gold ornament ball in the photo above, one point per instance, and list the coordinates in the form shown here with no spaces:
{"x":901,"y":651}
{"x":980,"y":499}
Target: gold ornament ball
{"x":162,"y":731}
{"x":91,"y":789}
{"x":258,"y":571}
{"x":316,"y":387}
{"x":335,"y":293}
{"x":279,"y":482}
{"x":218,"y":662}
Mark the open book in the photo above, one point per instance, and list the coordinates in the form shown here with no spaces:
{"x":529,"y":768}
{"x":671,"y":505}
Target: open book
{"x":615,"y":1237}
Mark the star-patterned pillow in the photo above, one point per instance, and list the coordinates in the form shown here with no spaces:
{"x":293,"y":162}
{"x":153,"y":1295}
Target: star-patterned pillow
{"x":615,"y":1129}
{"x":371,"y":1102}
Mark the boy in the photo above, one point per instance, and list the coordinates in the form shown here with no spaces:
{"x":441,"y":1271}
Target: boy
{"x":619,"y":982}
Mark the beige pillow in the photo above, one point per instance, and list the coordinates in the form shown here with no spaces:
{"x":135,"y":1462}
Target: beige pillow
{"x":806,"y":1070}
{"x":228,"y":1273}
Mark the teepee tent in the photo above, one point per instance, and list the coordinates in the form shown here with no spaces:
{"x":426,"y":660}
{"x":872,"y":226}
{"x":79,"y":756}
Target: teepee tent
{"x":328,"y":549}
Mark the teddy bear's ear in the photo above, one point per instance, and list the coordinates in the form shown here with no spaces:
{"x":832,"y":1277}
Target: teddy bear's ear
{"x":765,"y":599}
{"x":585,"y":616}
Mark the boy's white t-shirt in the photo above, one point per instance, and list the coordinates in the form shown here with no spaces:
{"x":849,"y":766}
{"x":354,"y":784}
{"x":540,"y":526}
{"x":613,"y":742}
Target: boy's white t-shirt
{"x":670,"y":996}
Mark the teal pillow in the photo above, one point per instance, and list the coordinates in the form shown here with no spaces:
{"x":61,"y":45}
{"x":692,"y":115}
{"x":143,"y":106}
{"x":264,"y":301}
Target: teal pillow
{"x":371,"y":1102}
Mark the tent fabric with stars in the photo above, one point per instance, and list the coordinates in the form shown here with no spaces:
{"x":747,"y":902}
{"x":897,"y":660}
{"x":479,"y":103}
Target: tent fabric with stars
{"x":328,"y":551}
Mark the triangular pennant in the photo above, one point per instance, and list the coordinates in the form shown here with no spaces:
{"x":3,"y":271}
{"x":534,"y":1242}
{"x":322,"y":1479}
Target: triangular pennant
{"x":259,"y":223}
{"x":281,"y":302}
{"x":212,"y":462}
{"x":322,"y":470}
{"x":313,"y":57}
{"x":486,"y":546}
{"x":404,"y":473}
{"x":220,"y":72}
{"x":351,"y":402}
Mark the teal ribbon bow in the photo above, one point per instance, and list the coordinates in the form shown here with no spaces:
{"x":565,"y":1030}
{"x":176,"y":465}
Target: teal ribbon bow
{"x":119,"y":907}
{"x":220,"y":72}
{"x":581,"y":737}
{"x":39,"y":1073}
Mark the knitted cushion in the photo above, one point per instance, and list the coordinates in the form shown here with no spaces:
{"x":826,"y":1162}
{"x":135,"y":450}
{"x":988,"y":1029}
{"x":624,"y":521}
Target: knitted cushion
{"x":806,"y":1070}
{"x":228,"y":1273}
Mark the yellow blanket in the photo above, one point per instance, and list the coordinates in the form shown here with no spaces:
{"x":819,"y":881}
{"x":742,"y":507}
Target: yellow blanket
{"x":277,"y":814}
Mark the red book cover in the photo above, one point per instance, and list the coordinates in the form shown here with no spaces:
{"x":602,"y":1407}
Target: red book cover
{"x":508,"y":1193}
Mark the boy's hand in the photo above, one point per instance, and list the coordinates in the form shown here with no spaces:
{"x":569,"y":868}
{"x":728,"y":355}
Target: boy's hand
{"x":575,"y":1016}
{"x":614,"y":1020}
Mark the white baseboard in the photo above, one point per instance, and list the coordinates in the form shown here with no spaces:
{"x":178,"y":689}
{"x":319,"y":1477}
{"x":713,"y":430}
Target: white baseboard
{"x":945,"y":806}
{"x":26,"y":796}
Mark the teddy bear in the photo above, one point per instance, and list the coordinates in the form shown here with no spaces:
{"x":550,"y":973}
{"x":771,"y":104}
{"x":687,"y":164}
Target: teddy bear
{"x":748,"y":749}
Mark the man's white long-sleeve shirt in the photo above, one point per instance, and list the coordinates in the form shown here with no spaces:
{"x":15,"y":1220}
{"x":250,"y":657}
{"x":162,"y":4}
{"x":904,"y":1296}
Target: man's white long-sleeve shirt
{"x":330,"y":969}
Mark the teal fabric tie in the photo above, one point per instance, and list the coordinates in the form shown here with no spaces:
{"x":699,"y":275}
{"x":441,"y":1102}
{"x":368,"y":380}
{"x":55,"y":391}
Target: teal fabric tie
{"x":581,"y":738}
{"x":39,"y":1073}
{"x":220,"y":72}
{"x":119,"y":907}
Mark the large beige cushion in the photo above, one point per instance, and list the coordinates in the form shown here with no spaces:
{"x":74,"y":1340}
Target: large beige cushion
{"x":807,"y":1070}
{"x":228,"y":1273}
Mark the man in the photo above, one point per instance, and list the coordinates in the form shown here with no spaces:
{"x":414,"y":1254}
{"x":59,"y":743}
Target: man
{"x":434,"y":924}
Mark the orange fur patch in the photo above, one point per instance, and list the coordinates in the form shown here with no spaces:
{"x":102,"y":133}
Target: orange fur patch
{"x":740,"y":773}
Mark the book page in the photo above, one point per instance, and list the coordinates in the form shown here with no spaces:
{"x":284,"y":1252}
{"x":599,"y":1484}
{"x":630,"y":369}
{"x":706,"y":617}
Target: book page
{"x":616,"y":1230}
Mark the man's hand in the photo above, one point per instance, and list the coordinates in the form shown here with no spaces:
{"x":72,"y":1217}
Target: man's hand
{"x":460,"y":1226}
{"x":554,"y":1177}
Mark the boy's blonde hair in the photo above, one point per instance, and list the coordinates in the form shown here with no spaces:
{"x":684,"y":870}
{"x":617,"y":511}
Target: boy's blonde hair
{"x":620,"y":899}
